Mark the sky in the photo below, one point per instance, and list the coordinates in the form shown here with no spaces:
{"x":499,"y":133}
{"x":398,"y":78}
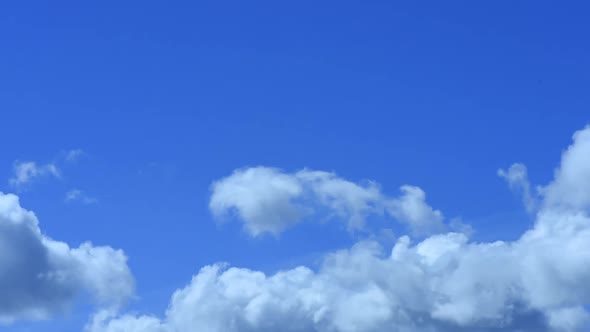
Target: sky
{"x":272,"y":166}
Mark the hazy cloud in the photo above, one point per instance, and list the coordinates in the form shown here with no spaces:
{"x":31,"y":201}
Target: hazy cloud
{"x":80,"y":196}
{"x":73,"y":155}
{"x":29,"y":171}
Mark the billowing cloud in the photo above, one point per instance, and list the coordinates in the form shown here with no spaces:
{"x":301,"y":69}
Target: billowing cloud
{"x":412,"y":208}
{"x":27,"y":171}
{"x":571,"y":188}
{"x":268,"y":200}
{"x":263,"y":198}
{"x":443,"y":283}
{"x":40,"y":277}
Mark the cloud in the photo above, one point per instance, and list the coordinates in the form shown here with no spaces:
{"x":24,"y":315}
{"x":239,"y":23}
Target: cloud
{"x":73,"y":155}
{"x":443,"y":283}
{"x":569,"y":190}
{"x":40,"y":277}
{"x":411,"y":207}
{"x":263,"y":198}
{"x":28,"y":171}
{"x":79,"y":195}
{"x":517,"y":179}
{"x":268,"y":200}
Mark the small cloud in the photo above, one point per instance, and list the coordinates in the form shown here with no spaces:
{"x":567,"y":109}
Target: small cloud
{"x":518,"y":180}
{"x":80,"y":196}
{"x":28,"y":171}
{"x":73,"y":155}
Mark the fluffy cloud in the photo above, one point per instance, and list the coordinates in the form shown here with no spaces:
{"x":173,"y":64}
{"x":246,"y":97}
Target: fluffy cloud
{"x":40,"y":276}
{"x":412,"y":208}
{"x":443,"y":283}
{"x":263,"y":198}
{"x":570,"y":189}
{"x":269,"y":200}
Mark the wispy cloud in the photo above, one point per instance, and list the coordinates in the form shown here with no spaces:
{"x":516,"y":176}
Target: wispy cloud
{"x":26,"y":172}
{"x":517,"y":178}
{"x":29,"y":171}
{"x":73,"y":155}
{"x":79,"y":196}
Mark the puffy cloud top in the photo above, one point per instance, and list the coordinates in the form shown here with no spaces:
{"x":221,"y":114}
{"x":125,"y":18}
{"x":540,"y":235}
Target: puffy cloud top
{"x":40,"y":276}
{"x":539,"y":282}
{"x":571,"y":187}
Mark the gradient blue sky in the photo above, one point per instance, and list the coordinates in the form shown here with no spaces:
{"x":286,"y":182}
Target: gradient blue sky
{"x":165,"y":98}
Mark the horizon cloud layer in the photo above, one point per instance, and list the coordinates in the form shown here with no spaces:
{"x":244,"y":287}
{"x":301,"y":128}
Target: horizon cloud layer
{"x":539,"y":282}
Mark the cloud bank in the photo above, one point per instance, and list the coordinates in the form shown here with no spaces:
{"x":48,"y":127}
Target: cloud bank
{"x":40,"y":277}
{"x":539,"y":282}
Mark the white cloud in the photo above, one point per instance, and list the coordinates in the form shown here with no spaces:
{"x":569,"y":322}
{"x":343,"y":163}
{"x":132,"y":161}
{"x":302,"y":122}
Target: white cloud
{"x":263,"y":198}
{"x":79,"y":195}
{"x":40,"y":276}
{"x":518,"y":180}
{"x":412,"y":208}
{"x":344,"y":199}
{"x":540,"y":282}
{"x":28,"y":171}
{"x":570,"y":190}
{"x":268,"y":200}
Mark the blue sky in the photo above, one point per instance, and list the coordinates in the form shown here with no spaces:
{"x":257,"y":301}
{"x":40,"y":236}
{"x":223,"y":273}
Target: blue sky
{"x":162,"y":100}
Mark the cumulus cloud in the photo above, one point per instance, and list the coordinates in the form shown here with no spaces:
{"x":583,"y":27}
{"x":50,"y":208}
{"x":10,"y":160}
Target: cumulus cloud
{"x":80,"y":196}
{"x":28,"y":171}
{"x":40,"y":276}
{"x":570,"y":188}
{"x":443,"y":283}
{"x":268,"y":200}
{"x":412,"y":208}
{"x":262,"y":197}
